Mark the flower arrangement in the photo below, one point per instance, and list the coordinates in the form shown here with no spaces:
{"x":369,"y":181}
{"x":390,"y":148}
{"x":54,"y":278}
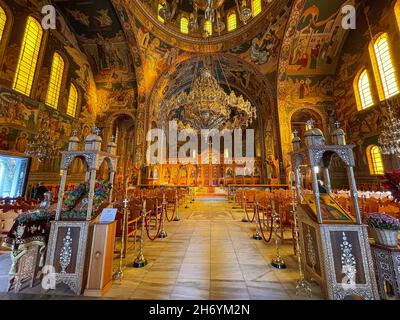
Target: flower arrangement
{"x":383,"y":221}
{"x":75,"y":195}
{"x":38,"y":215}
{"x":79,"y":196}
{"x":391,"y":182}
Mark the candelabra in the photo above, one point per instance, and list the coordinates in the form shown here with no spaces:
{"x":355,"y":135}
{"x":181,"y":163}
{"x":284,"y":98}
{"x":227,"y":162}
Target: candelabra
{"x":302,"y":286}
{"x":118,"y":275}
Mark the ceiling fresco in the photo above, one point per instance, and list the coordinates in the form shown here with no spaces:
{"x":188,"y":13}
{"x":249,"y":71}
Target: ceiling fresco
{"x":292,"y":45}
{"x":101,"y":37}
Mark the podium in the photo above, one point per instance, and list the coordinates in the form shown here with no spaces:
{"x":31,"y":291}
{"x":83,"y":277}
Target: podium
{"x":334,"y":244}
{"x":100,"y":268}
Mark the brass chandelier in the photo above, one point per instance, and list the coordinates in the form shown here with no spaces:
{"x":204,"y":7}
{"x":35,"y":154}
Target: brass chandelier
{"x":208,"y":106}
{"x":42,"y":146}
{"x":389,"y":138}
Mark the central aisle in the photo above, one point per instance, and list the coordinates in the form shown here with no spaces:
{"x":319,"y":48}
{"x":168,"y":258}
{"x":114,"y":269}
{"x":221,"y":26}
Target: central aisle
{"x":209,"y":254}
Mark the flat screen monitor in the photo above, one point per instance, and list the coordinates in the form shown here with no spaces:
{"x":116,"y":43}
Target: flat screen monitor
{"x":14,"y":171}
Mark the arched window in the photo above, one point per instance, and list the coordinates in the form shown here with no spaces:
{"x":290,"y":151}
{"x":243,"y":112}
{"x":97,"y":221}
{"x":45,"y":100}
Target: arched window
{"x":375,"y":160}
{"x":383,"y":68}
{"x":56,"y":77}
{"x":208,"y":27}
{"x":184,"y":25}
{"x":256,"y":7}
{"x":231,"y":21}
{"x":28,"y":57}
{"x":363,"y":92}
{"x":160,"y":6}
{"x":3,"y":21}
{"x":72,"y":101}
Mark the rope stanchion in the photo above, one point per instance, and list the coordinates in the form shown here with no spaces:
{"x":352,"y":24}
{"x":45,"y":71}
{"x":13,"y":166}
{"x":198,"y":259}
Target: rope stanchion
{"x":245,"y":216}
{"x":262,"y":223}
{"x":163,"y":233}
{"x":257,"y":235}
{"x":158,"y":222}
{"x":176,"y":213}
{"x":140,"y":260}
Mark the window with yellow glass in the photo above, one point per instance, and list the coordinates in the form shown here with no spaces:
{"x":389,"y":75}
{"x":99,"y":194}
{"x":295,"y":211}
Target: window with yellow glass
{"x":256,"y":7}
{"x":3,"y":21}
{"x":28,"y":57}
{"x":184,"y":25}
{"x":375,"y":160}
{"x":56,"y":77}
{"x":72,"y":101}
{"x":384,"y":67}
{"x":208,"y":27}
{"x":232,"y":21}
{"x":160,"y":6}
{"x":364,"y":91}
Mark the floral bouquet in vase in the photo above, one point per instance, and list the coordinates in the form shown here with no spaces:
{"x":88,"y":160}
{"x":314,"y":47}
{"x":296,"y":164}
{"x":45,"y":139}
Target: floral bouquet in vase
{"x":385,"y":228}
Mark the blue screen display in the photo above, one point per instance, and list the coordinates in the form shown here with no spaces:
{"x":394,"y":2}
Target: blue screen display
{"x":13,"y":175}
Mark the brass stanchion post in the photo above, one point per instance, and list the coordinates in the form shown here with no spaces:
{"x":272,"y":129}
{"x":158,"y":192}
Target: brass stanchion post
{"x":257,"y":235}
{"x":119,"y":274}
{"x":245,"y":217}
{"x":177,"y":218}
{"x":276,"y":262}
{"x":163,"y":233}
{"x":140,"y":261}
{"x":302,"y":286}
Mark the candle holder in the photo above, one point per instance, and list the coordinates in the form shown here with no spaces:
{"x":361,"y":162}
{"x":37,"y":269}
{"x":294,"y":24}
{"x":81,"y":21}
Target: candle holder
{"x":119,"y":274}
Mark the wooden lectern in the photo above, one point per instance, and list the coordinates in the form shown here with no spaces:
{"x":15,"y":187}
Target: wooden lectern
{"x":100,"y":269}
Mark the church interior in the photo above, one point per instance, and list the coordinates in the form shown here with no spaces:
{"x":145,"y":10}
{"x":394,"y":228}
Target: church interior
{"x":200,"y":149}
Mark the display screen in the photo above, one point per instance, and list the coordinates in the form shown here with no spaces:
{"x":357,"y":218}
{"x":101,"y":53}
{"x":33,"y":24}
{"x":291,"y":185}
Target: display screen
{"x":13,"y":175}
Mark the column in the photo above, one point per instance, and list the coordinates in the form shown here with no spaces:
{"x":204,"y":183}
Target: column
{"x":91,"y":194}
{"x":61,"y":192}
{"x":327,"y":180}
{"x":298,"y":184}
{"x":112,"y":175}
{"x":317,"y":195}
{"x":354,"y":193}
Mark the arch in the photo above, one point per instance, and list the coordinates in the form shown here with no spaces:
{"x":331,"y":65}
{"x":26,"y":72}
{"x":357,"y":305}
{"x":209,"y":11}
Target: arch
{"x":28,"y":57}
{"x":362,"y":90}
{"x":384,"y":70}
{"x":231,"y":21}
{"x":6,"y":22}
{"x":299,"y":117}
{"x":55,"y":81}
{"x":375,"y":161}
{"x":3,"y":22}
{"x":396,"y":10}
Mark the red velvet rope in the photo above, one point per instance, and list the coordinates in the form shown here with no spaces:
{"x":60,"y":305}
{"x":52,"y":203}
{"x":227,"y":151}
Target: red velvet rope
{"x":173,"y":213}
{"x":158,"y":221}
{"x":261,"y":227}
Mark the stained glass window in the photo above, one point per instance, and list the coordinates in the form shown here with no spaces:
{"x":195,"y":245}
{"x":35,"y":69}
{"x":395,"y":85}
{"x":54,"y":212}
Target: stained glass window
{"x":56,"y":76}
{"x":28,"y":57}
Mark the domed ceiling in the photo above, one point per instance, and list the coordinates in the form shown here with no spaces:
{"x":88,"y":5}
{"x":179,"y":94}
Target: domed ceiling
{"x":164,"y":19}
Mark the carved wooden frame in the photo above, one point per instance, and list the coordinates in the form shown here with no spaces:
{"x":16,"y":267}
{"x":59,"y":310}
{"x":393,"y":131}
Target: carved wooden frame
{"x":73,"y":280}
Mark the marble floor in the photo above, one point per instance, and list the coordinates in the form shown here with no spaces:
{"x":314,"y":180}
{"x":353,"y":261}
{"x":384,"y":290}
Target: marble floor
{"x":208,"y":254}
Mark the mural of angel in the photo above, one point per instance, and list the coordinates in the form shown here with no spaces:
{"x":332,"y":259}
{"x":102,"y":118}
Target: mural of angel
{"x":103,"y":18}
{"x":80,"y":17}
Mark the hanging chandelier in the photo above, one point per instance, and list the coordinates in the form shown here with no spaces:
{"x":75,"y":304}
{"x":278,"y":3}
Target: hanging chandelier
{"x":42,"y":146}
{"x":389,"y":138}
{"x":208,"y":106}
